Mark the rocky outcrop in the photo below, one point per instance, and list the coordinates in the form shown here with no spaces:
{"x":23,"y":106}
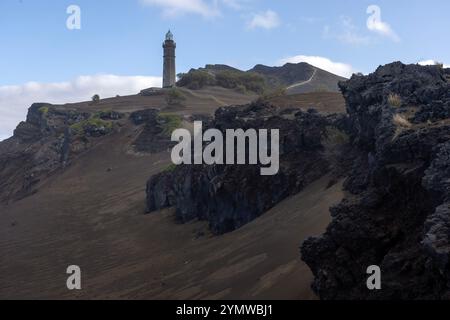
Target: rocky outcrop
{"x":229,"y":196}
{"x":47,"y":141}
{"x":396,"y":214}
{"x":53,"y":136}
{"x":155,"y":135}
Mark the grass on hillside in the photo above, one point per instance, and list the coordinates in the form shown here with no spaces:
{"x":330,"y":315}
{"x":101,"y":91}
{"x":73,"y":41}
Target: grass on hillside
{"x":395,"y":100}
{"x":96,"y":122}
{"x":43,"y":110}
{"x":171,"y":122}
{"x":240,"y":81}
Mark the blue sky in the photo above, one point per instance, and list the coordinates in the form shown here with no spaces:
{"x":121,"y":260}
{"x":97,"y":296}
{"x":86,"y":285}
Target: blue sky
{"x":122,"y":39}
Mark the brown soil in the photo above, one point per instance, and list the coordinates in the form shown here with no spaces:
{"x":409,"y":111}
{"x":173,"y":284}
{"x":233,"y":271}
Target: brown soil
{"x":325,"y":102}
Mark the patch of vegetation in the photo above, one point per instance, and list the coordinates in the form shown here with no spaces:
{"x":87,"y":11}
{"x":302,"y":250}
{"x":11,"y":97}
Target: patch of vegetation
{"x":241,"y":89}
{"x":95,"y":98}
{"x":170,"y":122}
{"x":100,"y":114}
{"x":401,"y":121}
{"x":233,"y":79}
{"x":170,"y":168}
{"x":93,"y":122}
{"x":401,"y":124}
{"x":195,"y":79}
{"x":269,"y":94}
{"x":43,"y":110}
{"x":395,"y":100}
{"x":175,"y":97}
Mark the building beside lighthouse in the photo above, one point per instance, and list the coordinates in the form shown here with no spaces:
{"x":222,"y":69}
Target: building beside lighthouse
{"x":169,"y":70}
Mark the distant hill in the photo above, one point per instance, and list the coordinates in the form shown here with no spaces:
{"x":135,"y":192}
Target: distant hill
{"x":296,"y":78}
{"x":299,"y":78}
{"x":215,"y":68}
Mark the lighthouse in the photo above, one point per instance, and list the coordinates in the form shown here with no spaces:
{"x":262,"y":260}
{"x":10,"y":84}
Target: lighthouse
{"x":169,"y":75}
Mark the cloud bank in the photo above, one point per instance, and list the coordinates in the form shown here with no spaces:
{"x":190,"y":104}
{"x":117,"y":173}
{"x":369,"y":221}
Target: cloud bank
{"x":16,"y":99}
{"x":338,"y":68}
{"x":432,"y":62}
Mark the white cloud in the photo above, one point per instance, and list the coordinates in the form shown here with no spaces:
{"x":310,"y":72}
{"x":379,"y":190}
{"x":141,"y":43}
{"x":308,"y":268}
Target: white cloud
{"x":350,"y":34}
{"x":432,"y":63}
{"x":172,"y":8}
{"x":347,"y":33}
{"x":234,"y":4}
{"x":16,"y":99}
{"x":377,"y":25}
{"x":205,"y":8}
{"x":265,"y":20}
{"x":338,"y":68}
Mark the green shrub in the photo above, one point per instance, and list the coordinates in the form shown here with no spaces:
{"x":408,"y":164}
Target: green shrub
{"x":95,"y":98}
{"x":170,"y":122}
{"x":233,"y":79}
{"x":195,"y":79}
{"x":270,"y":94}
{"x":170,"y":168}
{"x":80,"y":127}
{"x":43,"y":110}
{"x":253,"y":82}
{"x":107,"y":114}
{"x":175,"y":97}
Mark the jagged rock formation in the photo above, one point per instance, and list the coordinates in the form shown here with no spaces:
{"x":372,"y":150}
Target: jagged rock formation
{"x":53,"y":136}
{"x":397,"y":212}
{"x":155,"y":135}
{"x":47,"y":141}
{"x":229,"y":196}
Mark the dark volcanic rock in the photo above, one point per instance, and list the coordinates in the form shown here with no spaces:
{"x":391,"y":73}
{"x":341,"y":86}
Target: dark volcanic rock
{"x":155,"y":136}
{"x":229,"y":196}
{"x":144,"y":116}
{"x":397,"y":215}
{"x":47,"y":141}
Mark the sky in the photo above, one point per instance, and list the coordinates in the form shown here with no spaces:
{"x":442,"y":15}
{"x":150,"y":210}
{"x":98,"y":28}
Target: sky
{"x":65,"y":51}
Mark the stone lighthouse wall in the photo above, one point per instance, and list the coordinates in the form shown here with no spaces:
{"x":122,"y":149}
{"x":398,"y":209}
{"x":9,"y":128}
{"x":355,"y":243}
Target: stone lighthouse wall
{"x":169,"y":72}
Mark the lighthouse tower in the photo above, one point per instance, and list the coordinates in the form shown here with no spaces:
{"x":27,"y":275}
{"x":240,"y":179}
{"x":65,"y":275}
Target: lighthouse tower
{"x":169,"y":75}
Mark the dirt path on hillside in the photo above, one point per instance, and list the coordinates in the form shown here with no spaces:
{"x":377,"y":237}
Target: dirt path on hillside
{"x":304,"y":82}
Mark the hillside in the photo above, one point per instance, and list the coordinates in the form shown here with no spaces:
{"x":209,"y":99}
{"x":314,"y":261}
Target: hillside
{"x":363,"y":180}
{"x":85,"y":205}
{"x":300,"y":78}
{"x":295,"y":78}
